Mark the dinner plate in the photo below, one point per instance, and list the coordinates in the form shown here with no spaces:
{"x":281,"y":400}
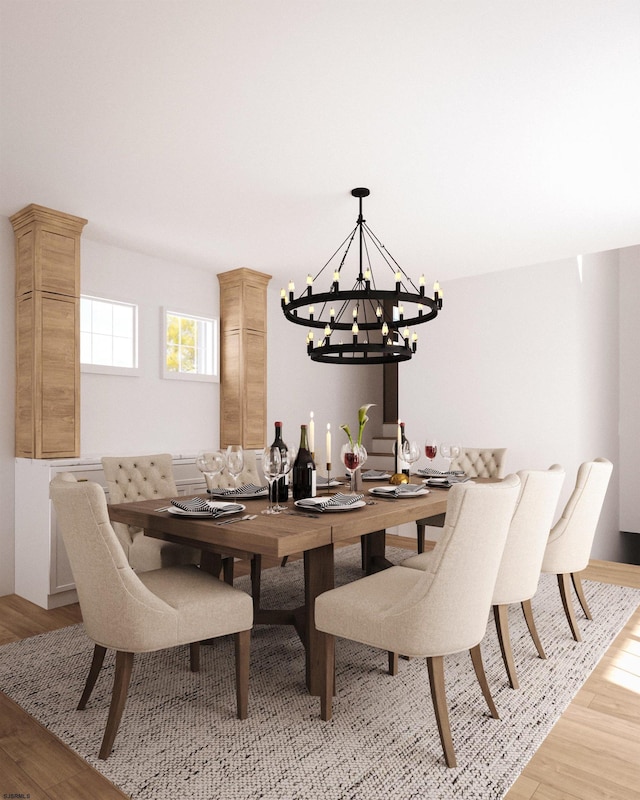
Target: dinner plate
{"x":237,"y":508}
{"x":314,"y":504}
{"x":389,"y":491}
{"x":321,"y":483}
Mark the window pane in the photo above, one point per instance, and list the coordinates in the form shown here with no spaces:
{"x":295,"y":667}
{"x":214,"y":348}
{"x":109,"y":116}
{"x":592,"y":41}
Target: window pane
{"x":122,"y":321}
{"x":190,"y":346}
{"x":102,"y":318}
{"x":101,"y":349}
{"x":122,"y":355}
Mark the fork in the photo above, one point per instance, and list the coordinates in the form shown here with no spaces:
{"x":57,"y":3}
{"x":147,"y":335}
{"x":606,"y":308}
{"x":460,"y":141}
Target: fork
{"x":237,"y":519}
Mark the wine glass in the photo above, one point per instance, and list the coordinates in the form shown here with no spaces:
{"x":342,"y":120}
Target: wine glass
{"x":431,"y":449}
{"x":210,"y":464}
{"x":410,"y":453}
{"x":353,"y":457}
{"x":287,"y":457}
{"x":234,"y":459}
{"x":271,"y":465}
{"x":446,"y":452}
{"x":455,"y":453}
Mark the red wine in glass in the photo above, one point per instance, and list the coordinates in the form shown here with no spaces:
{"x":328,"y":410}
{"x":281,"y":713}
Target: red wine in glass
{"x":431,"y":451}
{"x":351,"y":460}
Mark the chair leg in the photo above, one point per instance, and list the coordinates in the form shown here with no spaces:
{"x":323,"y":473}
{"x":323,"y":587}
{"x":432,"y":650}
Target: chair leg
{"x":194,"y":656}
{"x":501,"y":617}
{"x":328,"y":677}
{"x":124,"y":665}
{"x":283,"y":563}
{"x":565,"y":594}
{"x":393,"y":663}
{"x":435,"y":667}
{"x":476,"y":658}
{"x":96,"y":665}
{"x":363,"y":552}
{"x":577,"y":585}
{"x":420,"y":526}
{"x":242,"y":647}
{"x":256,"y":570}
{"x":528,"y":615}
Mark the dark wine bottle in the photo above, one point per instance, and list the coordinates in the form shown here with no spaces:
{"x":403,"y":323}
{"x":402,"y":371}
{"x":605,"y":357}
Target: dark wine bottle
{"x":401,"y":465}
{"x":304,"y":470}
{"x":280,"y":488}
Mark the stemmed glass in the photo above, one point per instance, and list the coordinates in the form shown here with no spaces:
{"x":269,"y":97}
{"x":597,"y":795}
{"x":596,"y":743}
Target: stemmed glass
{"x":431,"y":449}
{"x":286,"y":465}
{"x":450,"y":452}
{"x":353,"y":457}
{"x":235,"y":462}
{"x":210,"y":464}
{"x":271,"y":466}
{"x":410,"y":454}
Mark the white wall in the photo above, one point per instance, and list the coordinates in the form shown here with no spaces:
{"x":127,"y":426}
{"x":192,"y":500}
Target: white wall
{"x":526,"y":359}
{"x":629,"y":388}
{"x":126,"y":415}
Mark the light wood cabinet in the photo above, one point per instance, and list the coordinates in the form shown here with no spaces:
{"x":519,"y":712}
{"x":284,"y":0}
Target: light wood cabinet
{"x":47,"y":417}
{"x":243,"y":358}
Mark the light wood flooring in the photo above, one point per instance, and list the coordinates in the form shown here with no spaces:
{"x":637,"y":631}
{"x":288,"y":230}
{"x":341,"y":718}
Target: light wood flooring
{"x":592,"y":753}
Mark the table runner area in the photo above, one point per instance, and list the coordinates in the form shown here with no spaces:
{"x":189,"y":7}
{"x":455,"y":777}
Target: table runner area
{"x":179,"y":736}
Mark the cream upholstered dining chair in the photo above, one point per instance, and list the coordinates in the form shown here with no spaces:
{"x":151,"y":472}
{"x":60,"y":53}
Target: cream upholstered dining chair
{"x":133,"y":613}
{"x":429,"y":613}
{"x":519,"y":573}
{"x":487,"y":462}
{"x":569,"y":545}
{"x":132,"y":478}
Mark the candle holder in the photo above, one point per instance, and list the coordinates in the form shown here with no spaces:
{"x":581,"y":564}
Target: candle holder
{"x":328,"y":465}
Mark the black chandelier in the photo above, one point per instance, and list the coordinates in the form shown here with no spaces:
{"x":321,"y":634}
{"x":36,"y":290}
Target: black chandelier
{"x":377,"y":320}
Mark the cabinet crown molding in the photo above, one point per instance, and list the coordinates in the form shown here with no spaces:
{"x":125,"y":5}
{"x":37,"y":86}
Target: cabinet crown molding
{"x":49,"y":216}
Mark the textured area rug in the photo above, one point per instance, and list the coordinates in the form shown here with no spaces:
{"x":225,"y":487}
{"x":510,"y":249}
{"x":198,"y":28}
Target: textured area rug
{"x":179,"y":736}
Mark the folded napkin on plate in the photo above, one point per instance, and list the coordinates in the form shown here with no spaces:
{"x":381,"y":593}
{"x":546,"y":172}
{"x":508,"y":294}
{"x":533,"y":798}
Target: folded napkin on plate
{"x":396,"y":491}
{"x":336,"y":500}
{"x":427,"y":472}
{"x":322,"y":481}
{"x":247,"y":488}
{"x":375,"y":473}
{"x":199,"y":506}
{"x":447,"y":482}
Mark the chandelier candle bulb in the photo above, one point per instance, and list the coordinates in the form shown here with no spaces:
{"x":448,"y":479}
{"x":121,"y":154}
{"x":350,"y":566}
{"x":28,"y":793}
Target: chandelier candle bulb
{"x":309,"y":284}
{"x":311,"y":313}
{"x":421,"y":284}
{"x":398,"y":277}
{"x":332,"y":314}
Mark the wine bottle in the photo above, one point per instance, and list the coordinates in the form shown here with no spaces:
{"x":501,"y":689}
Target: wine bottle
{"x":280,"y":487}
{"x":304,"y":470}
{"x":401,"y":465}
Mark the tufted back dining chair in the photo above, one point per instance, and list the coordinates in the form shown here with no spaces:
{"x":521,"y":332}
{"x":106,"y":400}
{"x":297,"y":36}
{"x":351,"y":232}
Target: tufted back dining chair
{"x":519,"y":573}
{"x":132,"y":478}
{"x":475,"y":462}
{"x":429,"y":613}
{"x":569,"y":545}
{"x":133,"y":613}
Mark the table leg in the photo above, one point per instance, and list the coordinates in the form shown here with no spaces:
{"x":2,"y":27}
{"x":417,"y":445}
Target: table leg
{"x":318,"y":578}
{"x":374,"y":552}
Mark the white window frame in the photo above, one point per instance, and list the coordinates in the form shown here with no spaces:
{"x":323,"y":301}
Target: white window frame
{"x":109,"y":369}
{"x":213,"y":377}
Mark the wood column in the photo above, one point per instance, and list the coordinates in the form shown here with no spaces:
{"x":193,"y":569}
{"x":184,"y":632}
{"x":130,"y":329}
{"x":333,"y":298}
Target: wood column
{"x":47,"y":332}
{"x":243,"y":358}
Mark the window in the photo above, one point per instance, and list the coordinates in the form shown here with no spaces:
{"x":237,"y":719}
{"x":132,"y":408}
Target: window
{"x":108,"y":336}
{"x":191,"y":347}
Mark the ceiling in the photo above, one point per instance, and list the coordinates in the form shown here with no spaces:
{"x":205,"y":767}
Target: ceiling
{"x":226,"y":133}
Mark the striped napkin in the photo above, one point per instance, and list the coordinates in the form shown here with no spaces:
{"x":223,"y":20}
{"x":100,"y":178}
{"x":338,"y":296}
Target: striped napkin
{"x":199,"y":506}
{"x":427,"y":472}
{"x":397,"y":491}
{"x":245,"y":489}
{"x":337,"y":500}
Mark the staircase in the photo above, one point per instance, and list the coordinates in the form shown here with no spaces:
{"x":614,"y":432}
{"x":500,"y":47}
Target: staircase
{"x":380,"y":456}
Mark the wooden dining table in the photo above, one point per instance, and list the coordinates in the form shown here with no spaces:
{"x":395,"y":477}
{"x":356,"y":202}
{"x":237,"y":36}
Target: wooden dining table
{"x":314,"y":534}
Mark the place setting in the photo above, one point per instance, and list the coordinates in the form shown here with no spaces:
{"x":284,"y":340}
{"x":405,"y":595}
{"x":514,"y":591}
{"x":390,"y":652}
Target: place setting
{"x":198,"y":507}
